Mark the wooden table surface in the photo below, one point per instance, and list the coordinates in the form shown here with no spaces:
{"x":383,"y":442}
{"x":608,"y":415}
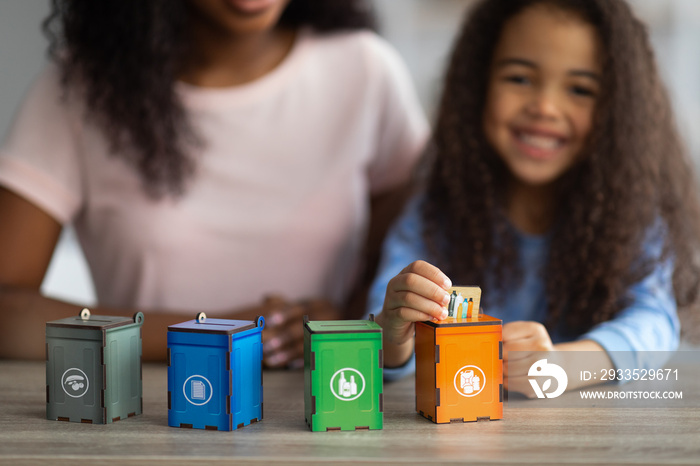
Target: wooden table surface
{"x":524,"y":436}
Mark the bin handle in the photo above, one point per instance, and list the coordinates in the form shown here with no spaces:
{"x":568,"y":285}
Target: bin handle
{"x":85,"y":314}
{"x":260,"y":322}
{"x":201,"y":317}
{"x":138,"y":318}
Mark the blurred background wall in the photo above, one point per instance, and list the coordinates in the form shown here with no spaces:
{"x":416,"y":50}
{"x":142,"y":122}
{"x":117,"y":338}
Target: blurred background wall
{"x":421,"y":30}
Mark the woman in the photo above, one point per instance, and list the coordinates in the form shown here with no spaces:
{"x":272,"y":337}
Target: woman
{"x":209,"y":153}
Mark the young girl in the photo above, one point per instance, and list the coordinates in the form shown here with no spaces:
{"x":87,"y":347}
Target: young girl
{"x":559,"y":186}
{"x":210,"y":153}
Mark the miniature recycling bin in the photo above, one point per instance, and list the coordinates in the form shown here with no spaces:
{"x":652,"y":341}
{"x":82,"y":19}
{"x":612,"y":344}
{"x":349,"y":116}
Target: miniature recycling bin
{"x":459,"y":368}
{"x":343,"y":370}
{"x":93,"y":368}
{"x":215,"y":373}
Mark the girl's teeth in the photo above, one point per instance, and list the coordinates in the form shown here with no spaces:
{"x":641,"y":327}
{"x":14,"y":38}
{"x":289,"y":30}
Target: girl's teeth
{"x":540,"y":142}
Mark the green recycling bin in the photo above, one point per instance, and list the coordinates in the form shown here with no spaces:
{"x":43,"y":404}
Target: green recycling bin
{"x":343,"y":370}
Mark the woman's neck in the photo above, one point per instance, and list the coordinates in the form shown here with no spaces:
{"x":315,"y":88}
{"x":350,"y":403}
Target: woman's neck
{"x":217,"y":59}
{"x":531,"y":209}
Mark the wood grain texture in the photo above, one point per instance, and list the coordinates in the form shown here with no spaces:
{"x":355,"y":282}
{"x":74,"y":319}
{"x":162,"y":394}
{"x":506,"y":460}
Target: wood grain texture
{"x":525,"y":436}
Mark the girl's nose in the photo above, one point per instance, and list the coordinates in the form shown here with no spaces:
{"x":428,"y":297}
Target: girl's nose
{"x":543,"y":104}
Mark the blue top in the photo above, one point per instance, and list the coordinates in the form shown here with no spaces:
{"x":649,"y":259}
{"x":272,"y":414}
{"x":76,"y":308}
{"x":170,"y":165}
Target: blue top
{"x":649,"y":323}
{"x":225,"y":326}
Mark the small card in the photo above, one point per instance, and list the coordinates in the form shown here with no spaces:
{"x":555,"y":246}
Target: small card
{"x":460,"y":297}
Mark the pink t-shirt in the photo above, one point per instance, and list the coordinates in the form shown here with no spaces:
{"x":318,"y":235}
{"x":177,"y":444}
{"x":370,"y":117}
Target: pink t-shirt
{"x":280,"y":199}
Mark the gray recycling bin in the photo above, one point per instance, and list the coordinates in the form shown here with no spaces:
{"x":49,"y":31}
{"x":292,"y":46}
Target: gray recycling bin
{"x":93,"y":368}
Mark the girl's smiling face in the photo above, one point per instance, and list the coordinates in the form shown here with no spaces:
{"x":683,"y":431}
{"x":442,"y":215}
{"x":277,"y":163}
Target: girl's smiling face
{"x":544,"y":82}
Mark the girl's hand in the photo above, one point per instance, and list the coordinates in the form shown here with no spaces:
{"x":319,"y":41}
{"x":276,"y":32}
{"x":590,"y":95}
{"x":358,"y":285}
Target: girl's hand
{"x":525,"y":338}
{"x":416,"y":294}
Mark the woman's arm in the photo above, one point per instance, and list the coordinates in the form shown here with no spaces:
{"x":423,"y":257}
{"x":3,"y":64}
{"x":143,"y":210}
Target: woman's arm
{"x":25,"y":313}
{"x":28,"y":236}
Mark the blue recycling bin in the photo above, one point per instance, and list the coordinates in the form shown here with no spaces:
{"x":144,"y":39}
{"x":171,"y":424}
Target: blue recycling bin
{"x":215,"y":373}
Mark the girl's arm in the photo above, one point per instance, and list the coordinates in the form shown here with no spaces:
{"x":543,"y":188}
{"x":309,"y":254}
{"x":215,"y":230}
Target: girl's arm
{"x":644,"y":333}
{"x":416,"y":294}
{"x":403,"y":245}
{"x":641,"y":336}
{"x":384,"y":209}
{"x":525,"y":342}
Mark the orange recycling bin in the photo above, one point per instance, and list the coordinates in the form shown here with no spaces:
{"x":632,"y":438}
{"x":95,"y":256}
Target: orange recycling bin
{"x":459,"y":367}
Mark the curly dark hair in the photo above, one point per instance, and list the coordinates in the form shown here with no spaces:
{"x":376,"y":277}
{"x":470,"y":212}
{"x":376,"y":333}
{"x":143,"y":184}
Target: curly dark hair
{"x":634,"y":175}
{"x":125,"y":56}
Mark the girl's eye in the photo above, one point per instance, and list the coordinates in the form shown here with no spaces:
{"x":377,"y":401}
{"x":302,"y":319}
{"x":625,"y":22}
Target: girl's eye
{"x":517,"y":79}
{"x":582,"y":91}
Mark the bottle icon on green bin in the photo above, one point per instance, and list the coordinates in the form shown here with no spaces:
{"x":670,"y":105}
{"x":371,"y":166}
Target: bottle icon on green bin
{"x":345,"y":386}
{"x":347,"y":389}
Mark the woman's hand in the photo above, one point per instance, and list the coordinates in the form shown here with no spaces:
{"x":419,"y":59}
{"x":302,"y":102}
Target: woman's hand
{"x":283,"y":335}
{"x":418,"y":293}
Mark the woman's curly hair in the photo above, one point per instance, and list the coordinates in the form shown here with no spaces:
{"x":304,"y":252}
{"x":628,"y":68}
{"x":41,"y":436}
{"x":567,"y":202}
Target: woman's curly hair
{"x":634,"y":177}
{"x":125,"y":56}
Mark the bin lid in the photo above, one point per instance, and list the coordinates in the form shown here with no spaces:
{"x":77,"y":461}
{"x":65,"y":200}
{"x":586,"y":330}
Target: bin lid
{"x":85,"y":320}
{"x":483,"y":319}
{"x":343,"y":326}
{"x":219,"y":326}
